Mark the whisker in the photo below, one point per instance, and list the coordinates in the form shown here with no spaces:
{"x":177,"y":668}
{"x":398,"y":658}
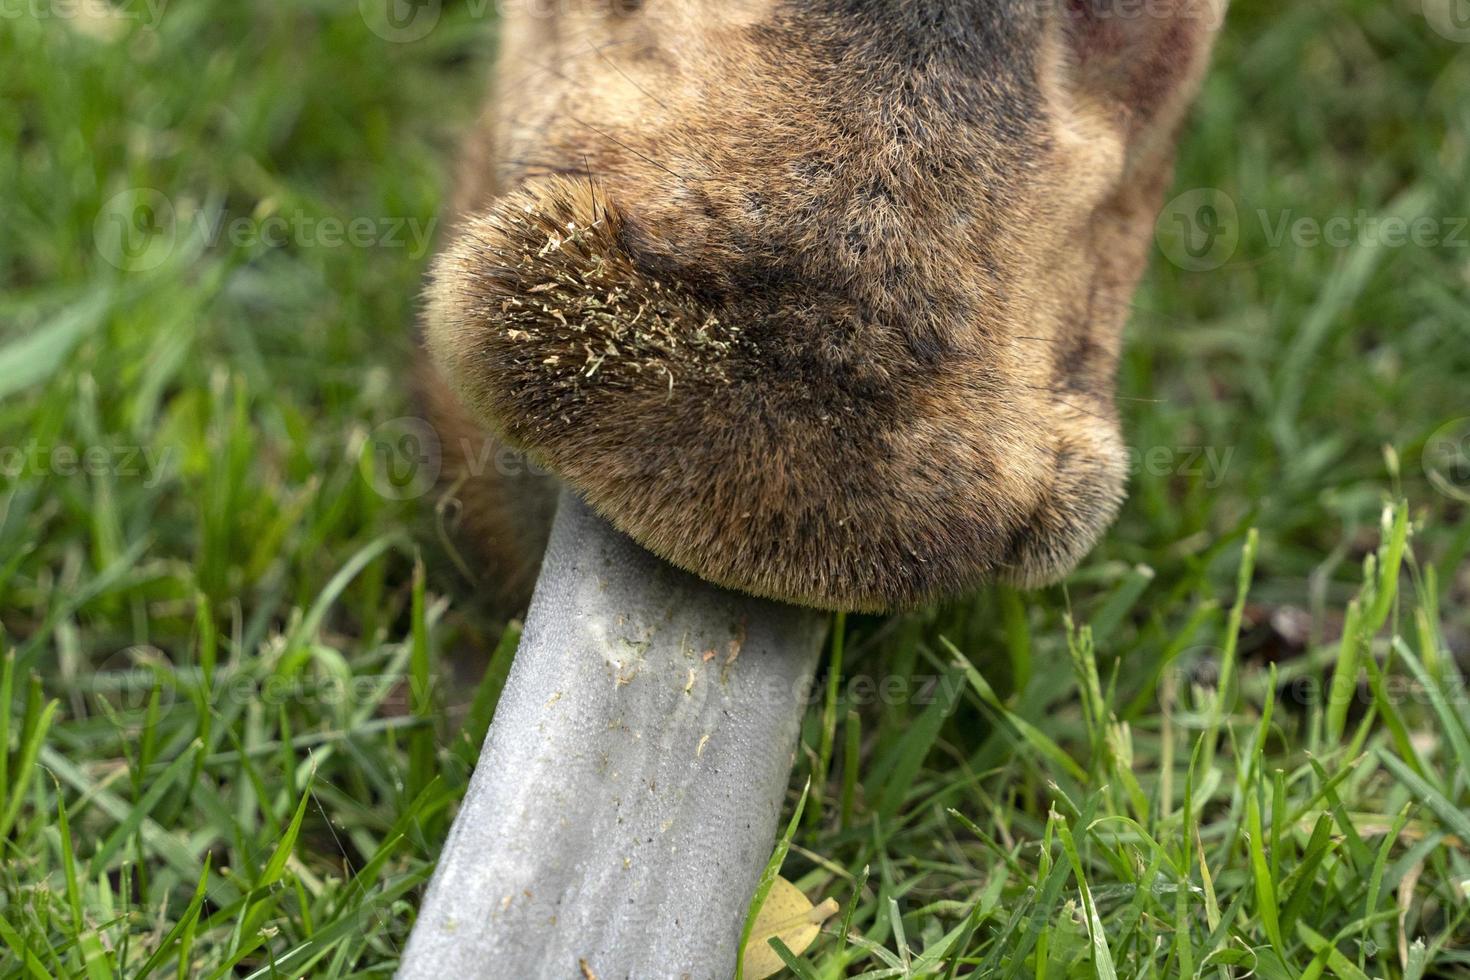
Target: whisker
{"x":550,"y":69}
{"x":1121,"y":398}
{"x":1080,"y":409}
{"x":592,"y":189}
{"x":544,"y":168}
{"x":1063,"y":401}
{"x":637,"y":153}
{"x":618,"y":68}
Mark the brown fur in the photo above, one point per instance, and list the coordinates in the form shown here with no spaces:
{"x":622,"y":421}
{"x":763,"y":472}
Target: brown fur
{"x":819,"y":299}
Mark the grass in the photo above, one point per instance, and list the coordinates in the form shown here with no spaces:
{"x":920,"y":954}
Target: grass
{"x":1236,"y":743}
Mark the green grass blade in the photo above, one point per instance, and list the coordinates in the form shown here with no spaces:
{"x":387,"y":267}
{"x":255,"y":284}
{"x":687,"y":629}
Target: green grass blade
{"x":133,"y":818}
{"x":768,"y":879}
{"x":25,"y":769}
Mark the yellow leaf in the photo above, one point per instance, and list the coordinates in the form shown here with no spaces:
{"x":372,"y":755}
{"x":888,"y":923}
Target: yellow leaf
{"x":788,"y":916}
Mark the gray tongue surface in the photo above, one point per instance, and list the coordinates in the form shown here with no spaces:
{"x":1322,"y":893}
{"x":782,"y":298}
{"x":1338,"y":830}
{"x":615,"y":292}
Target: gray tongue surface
{"x":629,"y":792}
